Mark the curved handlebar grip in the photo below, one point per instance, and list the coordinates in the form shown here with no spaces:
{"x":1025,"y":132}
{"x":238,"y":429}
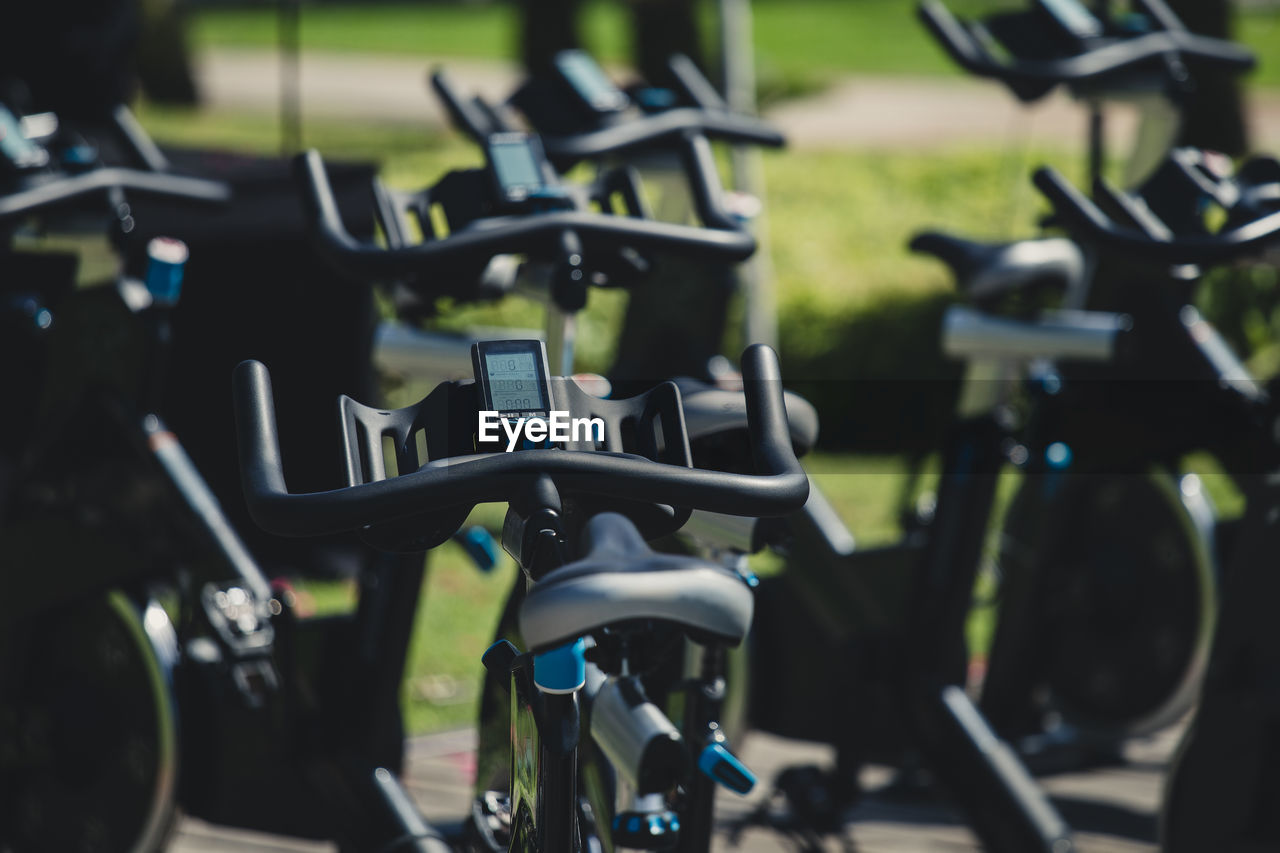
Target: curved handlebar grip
{"x":159,"y":184}
{"x":780,"y":488}
{"x":767,"y":422}
{"x":321,"y":207}
{"x":539,"y":234}
{"x":1109,"y":58}
{"x":695,"y":84}
{"x":955,"y":38}
{"x":1069,"y":202}
{"x":464,"y":115}
{"x":1194,"y":249}
{"x":726,"y":126}
{"x":257,"y":438}
{"x":704,"y":183}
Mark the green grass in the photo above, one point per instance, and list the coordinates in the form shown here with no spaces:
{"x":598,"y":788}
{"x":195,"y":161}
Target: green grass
{"x":797,"y":40}
{"x":872,"y":201}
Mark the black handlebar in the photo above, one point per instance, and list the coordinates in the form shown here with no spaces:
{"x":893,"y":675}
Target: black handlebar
{"x":459,"y":481}
{"x":655,"y":128}
{"x":1032,"y":78}
{"x":60,"y":190}
{"x":540,"y":235}
{"x":711,"y":118}
{"x":469,"y":116}
{"x":1080,"y":214}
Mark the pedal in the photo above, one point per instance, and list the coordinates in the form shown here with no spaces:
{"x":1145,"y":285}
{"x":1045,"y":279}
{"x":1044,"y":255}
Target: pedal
{"x":816,"y":798}
{"x":644,"y":830}
{"x":489,"y":829}
{"x":241,"y":623}
{"x":244,"y":636}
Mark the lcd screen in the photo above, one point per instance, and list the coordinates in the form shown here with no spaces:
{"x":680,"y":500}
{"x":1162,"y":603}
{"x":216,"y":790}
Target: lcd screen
{"x":514,"y":382}
{"x":586,"y":76}
{"x":514,"y":165}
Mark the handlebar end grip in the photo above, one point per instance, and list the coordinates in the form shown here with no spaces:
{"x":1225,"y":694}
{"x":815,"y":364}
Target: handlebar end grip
{"x":760,"y":363}
{"x":953,"y":35}
{"x":1069,"y":202}
{"x":1055,"y":188}
{"x":767,"y":417}
{"x":257,"y":440}
{"x":323,"y":219}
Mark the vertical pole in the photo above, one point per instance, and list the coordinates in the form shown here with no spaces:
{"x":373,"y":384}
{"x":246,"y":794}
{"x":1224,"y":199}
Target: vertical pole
{"x":288,"y":27}
{"x":1097,"y":142}
{"x":737,"y":57}
{"x":560,"y":333}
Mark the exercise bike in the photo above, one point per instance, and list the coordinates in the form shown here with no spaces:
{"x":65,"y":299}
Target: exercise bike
{"x":665,"y":134}
{"x":1088,"y":698}
{"x":1220,"y":788}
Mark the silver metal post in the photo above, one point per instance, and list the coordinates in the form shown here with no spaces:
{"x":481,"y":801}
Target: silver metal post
{"x":760,"y":317}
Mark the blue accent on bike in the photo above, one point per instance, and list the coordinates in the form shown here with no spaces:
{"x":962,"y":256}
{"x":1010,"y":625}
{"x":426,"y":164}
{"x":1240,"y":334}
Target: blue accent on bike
{"x":563,"y":669}
{"x":549,"y":192}
{"x":645,"y":831}
{"x":166,"y":262}
{"x":479,"y":545}
{"x":1050,"y":383}
{"x":654,"y":99}
{"x":723,"y":766}
{"x":1058,"y":456}
{"x":79,"y":155}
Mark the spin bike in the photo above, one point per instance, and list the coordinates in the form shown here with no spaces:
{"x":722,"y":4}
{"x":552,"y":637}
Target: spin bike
{"x":578,"y":514}
{"x":518,"y":204}
{"x":1106,"y":573}
{"x":148,"y":663}
{"x":1096,"y":54}
{"x":1222,"y":789}
{"x":89,"y":463}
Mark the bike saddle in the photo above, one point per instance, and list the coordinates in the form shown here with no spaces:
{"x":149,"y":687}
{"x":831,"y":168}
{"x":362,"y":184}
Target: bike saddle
{"x":620,"y":579}
{"x":988,"y":270}
{"x":709,"y":410}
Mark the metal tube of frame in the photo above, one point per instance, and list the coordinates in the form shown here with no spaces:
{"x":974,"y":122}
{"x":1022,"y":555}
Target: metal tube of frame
{"x":560,"y":725}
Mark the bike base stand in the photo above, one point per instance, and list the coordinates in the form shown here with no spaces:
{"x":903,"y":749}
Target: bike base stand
{"x":1008,"y":810}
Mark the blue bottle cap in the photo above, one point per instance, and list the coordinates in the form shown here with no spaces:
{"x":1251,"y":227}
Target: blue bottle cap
{"x":166,"y":259}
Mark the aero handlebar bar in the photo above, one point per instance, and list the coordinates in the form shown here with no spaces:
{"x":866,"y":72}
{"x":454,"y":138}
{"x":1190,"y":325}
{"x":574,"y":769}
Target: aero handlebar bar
{"x":60,"y":190}
{"x":969,"y":52}
{"x":645,"y":130}
{"x":538,"y":234}
{"x":648,"y":130}
{"x":1082,"y":215}
{"x":494,"y":477}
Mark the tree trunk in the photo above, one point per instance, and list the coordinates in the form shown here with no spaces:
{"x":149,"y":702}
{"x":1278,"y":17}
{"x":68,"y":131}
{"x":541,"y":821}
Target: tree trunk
{"x":1213,"y":116}
{"x":663,"y":27}
{"x":546,"y":28}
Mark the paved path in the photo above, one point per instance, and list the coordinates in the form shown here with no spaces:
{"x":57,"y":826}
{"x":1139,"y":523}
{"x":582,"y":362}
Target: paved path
{"x":855,"y":112}
{"x":1112,"y":810}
